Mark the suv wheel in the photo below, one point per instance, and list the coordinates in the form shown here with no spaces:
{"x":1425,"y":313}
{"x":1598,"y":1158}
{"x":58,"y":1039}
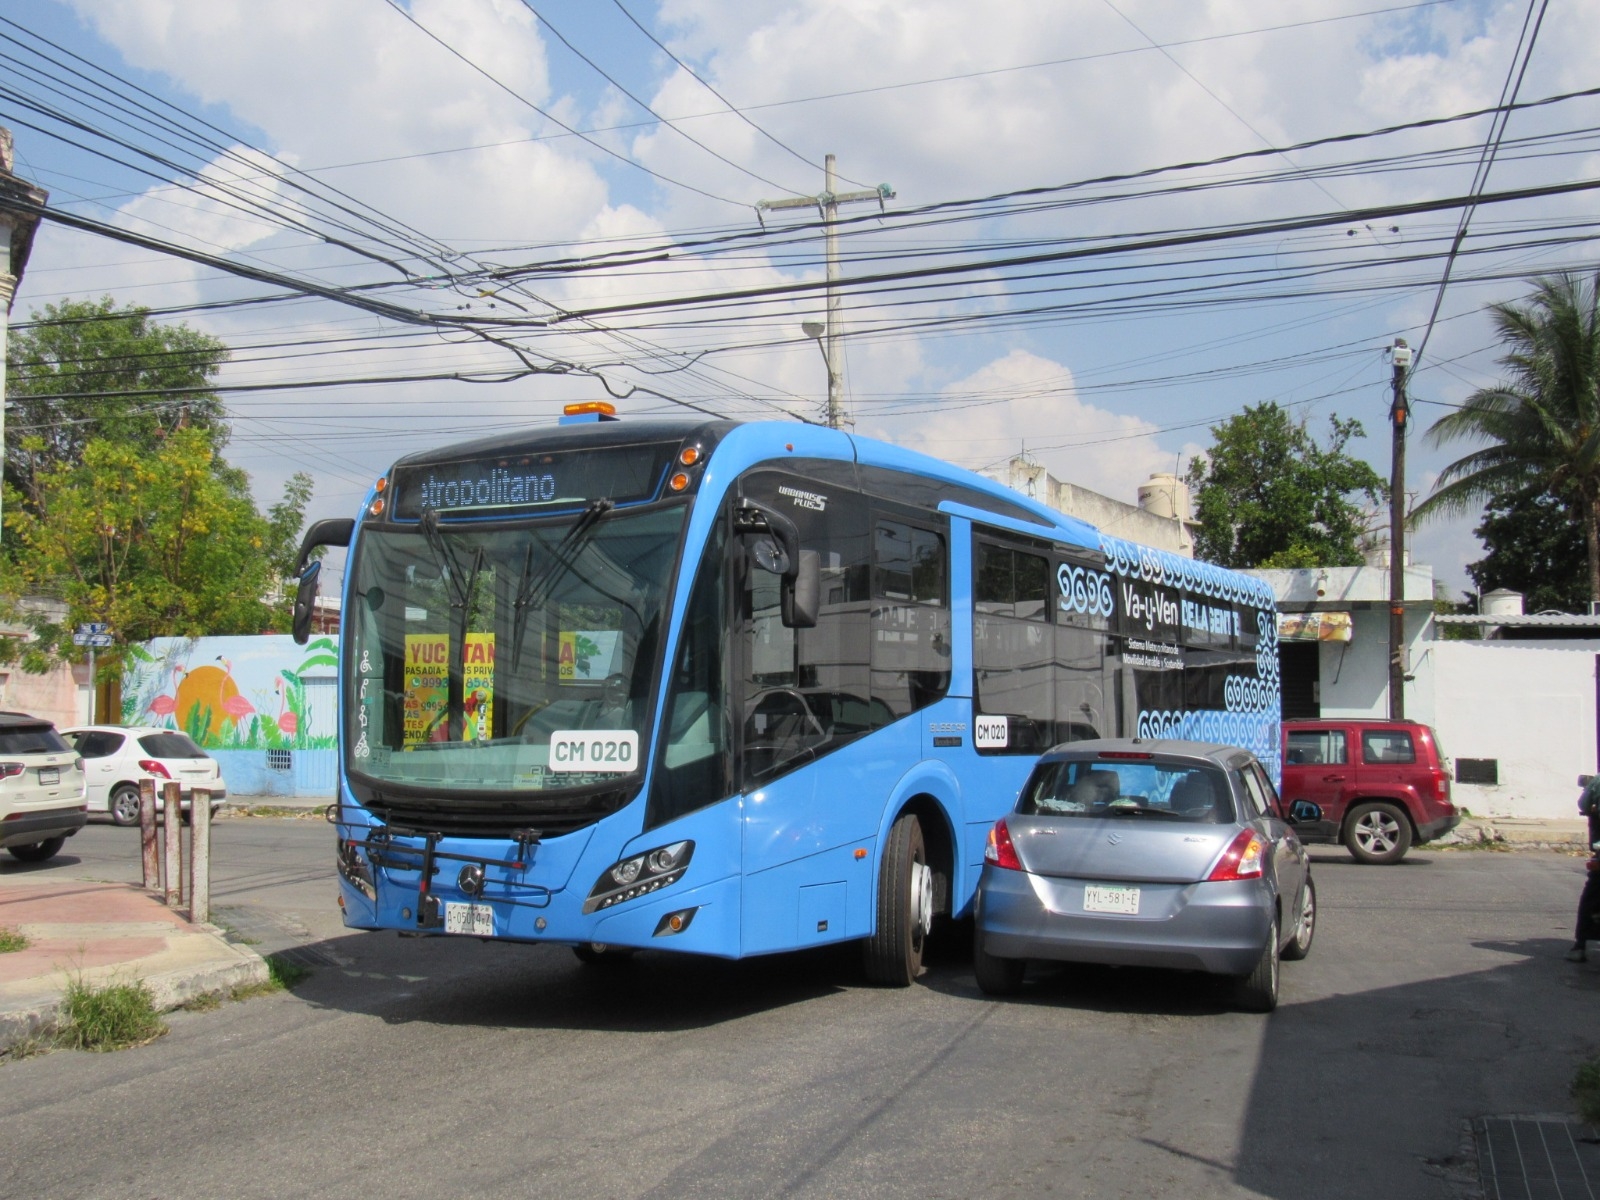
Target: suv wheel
{"x":1376,"y":832}
{"x":38,"y":851}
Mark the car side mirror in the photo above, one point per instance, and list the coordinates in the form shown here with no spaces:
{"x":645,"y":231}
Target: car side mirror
{"x":1304,"y":811}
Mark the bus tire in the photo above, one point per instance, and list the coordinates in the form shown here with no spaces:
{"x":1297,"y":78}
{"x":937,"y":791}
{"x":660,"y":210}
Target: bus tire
{"x":600,"y":954}
{"x":893,"y":954}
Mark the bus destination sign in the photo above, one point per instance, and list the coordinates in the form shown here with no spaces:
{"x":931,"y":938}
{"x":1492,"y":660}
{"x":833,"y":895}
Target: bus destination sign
{"x":509,"y":485}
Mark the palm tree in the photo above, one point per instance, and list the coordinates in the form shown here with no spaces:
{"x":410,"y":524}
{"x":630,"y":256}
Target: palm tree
{"x":1543,"y":422}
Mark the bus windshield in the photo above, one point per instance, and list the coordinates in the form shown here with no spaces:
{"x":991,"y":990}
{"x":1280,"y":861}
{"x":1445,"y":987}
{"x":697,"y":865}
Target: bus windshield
{"x":510,"y":657}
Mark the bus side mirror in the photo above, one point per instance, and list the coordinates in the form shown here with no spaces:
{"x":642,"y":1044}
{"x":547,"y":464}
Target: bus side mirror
{"x":802,"y":595}
{"x":333,"y":531}
{"x":305,"y":603}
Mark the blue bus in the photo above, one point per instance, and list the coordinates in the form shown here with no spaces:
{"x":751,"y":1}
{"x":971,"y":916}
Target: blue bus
{"x":736,"y":688}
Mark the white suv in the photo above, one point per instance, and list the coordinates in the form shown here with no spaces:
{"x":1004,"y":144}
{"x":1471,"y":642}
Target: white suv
{"x":41,"y":788}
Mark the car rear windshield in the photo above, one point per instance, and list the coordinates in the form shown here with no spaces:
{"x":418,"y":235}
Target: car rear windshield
{"x":170,"y":745}
{"x":1116,"y":788}
{"x":32,"y":739}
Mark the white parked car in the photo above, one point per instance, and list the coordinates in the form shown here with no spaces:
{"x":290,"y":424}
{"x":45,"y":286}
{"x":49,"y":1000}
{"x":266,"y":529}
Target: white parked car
{"x":41,"y":788}
{"x":117,"y":757}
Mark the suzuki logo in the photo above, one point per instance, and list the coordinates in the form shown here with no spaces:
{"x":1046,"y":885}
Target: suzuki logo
{"x":1115,"y":839}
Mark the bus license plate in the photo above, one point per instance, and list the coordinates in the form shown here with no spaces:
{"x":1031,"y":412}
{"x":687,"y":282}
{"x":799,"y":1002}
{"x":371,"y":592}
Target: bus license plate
{"x":475,"y":919}
{"x":1122,"y":900}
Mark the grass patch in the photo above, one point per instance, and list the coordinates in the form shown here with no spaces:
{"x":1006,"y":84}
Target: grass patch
{"x":1585,"y":1090}
{"x":205,"y":1002}
{"x":12,"y":939}
{"x":113,"y":1017}
{"x":283,"y":974}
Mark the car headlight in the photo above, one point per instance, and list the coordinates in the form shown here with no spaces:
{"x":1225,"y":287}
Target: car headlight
{"x":638,"y":875}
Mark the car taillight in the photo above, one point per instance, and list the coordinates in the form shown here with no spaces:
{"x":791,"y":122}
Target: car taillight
{"x":151,"y":767}
{"x":11,"y":770}
{"x":999,"y":849}
{"x":1243,"y":859}
{"x":1441,"y":784}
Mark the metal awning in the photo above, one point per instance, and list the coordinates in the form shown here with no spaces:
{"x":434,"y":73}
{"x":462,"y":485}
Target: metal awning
{"x":1521,"y":620}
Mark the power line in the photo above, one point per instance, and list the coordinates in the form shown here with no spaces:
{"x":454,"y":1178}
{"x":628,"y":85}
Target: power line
{"x":1497,"y":128}
{"x":560,"y":37}
{"x":518,"y":96}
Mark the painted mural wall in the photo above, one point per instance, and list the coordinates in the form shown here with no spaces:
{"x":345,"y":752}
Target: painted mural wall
{"x":263,"y":706}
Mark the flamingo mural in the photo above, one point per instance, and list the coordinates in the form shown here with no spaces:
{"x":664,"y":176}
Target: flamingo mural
{"x":225,"y":700}
{"x":288,"y":719}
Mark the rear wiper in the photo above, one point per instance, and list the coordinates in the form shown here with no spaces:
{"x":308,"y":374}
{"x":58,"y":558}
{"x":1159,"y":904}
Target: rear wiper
{"x":534,"y":587}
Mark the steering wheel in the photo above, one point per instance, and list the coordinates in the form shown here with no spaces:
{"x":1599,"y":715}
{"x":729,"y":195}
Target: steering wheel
{"x":799,"y":698}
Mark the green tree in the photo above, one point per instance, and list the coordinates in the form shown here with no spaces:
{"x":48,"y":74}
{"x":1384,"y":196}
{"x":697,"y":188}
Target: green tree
{"x":1270,"y":495}
{"x":1535,"y":547}
{"x":85,"y":369}
{"x":163,"y":542}
{"x":1542,"y":423}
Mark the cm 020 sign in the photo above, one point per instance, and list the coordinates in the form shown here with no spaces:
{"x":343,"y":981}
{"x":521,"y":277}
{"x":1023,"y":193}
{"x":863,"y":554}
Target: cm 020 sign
{"x":587,"y":750}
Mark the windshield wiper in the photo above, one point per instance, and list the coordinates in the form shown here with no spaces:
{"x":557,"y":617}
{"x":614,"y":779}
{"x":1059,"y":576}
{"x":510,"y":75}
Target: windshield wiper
{"x":535,"y":586}
{"x":462,"y":592}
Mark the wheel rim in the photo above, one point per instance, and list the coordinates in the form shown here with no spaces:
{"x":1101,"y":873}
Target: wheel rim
{"x":1308,"y":918}
{"x":1377,"y":832}
{"x":125,"y":808}
{"x":921,"y":901}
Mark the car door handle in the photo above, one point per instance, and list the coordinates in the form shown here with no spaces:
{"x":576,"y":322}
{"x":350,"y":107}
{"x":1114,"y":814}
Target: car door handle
{"x":1333,"y":779}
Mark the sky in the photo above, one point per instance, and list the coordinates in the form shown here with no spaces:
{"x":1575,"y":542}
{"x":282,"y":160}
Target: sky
{"x":558,"y":200}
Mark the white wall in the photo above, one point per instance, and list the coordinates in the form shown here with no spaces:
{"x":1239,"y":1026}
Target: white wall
{"x":1532,"y":707}
{"x":1355,"y":674}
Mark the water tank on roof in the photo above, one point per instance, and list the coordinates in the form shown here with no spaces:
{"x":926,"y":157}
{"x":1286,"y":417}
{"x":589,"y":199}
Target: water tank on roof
{"x":1502,"y":602}
{"x":1165,"y":496}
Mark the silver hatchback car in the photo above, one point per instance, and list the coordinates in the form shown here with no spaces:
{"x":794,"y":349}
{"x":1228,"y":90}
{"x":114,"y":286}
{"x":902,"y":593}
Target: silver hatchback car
{"x":1149,"y":853}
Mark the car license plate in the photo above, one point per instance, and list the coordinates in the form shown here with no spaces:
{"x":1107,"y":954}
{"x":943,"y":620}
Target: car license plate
{"x":49,"y":776}
{"x":476,"y":919}
{"x":1123,"y":900}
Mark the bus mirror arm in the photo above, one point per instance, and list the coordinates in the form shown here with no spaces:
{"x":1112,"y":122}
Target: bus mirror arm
{"x":334,"y":531}
{"x":801,"y":570}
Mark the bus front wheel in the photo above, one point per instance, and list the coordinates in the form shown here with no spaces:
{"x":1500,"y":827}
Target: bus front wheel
{"x":893,"y":954}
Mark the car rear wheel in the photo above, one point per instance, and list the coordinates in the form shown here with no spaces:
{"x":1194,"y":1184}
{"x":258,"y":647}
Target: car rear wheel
{"x":38,"y":851}
{"x":893,"y":954}
{"x":1258,"y":991}
{"x":1377,"y":833}
{"x":996,"y":976}
{"x":124,"y":806}
{"x":1305,"y":929}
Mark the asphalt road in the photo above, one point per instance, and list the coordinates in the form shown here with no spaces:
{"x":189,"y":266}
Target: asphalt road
{"x":1435,"y":992}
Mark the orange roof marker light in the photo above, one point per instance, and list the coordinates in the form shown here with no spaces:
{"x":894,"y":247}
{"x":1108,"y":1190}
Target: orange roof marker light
{"x":377,"y":506}
{"x":588,"y":410}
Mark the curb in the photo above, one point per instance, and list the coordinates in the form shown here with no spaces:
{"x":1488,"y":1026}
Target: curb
{"x":168,"y":989}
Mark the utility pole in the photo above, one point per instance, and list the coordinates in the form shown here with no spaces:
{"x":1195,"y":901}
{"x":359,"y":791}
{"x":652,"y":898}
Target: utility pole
{"x":828,"y":202}
{"x":1399,"y":413}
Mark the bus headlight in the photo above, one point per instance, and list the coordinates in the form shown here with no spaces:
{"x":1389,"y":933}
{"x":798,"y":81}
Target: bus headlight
{"x":639,"y":875}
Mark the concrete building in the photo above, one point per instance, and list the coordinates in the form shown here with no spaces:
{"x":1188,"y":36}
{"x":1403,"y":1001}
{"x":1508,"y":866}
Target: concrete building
{"x":1162,"y":517}
{"x":1333,"y":641}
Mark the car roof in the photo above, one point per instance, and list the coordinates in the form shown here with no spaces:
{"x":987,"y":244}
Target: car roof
{"x":128,"y":729}
{"x":17,"y":720}
{"x":1398,"y":722}
{"x":1213,"y":752}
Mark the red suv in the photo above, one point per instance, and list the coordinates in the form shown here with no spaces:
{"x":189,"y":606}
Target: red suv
{"x":1381,"y":785}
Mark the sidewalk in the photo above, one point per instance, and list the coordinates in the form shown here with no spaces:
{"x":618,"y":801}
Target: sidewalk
{"x":1519,"y":833}
{"x":104,"y":933}
{"x":286,"y":805}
